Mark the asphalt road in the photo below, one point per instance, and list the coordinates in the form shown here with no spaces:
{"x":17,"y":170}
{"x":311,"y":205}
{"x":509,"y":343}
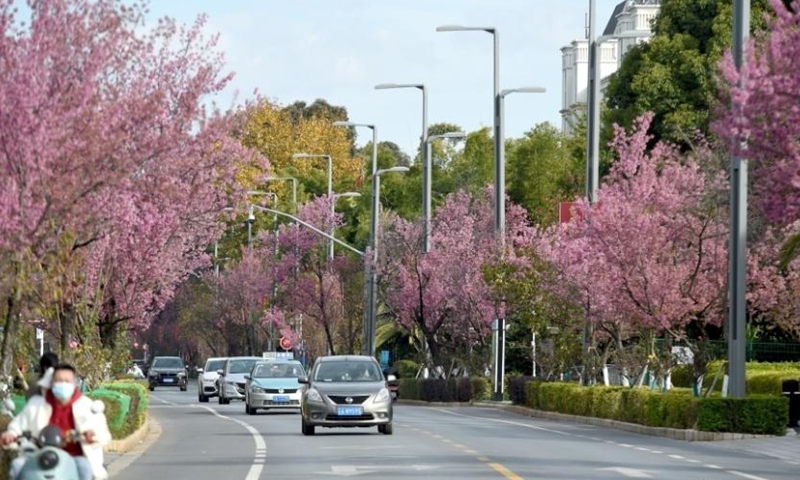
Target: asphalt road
{"x":220,"y":442}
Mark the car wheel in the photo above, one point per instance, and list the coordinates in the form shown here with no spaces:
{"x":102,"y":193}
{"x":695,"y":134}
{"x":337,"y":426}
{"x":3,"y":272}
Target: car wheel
{"x":386,"y":429}
{"x":202,"y":398}
{"x":307,"y":429}
{"x":183,"y":388}
{"x":152,"y":388}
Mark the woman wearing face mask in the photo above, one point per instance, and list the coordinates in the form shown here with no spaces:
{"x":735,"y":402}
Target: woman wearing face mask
{"x":65,"y":407}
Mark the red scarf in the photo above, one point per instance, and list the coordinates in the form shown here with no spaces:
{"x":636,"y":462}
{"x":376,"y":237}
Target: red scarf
{"x":62,"y":418}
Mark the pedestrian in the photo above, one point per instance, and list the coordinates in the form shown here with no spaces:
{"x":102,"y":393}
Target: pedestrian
{"x":46,"y":365}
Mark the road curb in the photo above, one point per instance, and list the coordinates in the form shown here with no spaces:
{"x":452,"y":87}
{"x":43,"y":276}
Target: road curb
{"x":124,"y":445}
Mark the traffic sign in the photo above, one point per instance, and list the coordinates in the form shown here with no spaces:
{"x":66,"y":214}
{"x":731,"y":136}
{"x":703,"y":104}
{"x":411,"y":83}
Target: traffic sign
{"x":286,"y":343}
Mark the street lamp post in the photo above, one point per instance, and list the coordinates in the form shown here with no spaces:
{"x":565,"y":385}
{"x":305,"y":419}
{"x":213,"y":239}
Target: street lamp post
{"x":424,"y":152}
{"x":286,"y":179}
{"x":374,"y":139}
{"x":334,"y":197}
{"x":737,"y":250}
{"x":372,"y":300}
{"x":499,"y":188}
{"x":427,"y":174}
{"x":270,"y":343}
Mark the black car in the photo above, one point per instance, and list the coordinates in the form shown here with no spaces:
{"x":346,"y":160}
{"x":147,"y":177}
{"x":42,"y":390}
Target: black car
{"x":167,"y":372}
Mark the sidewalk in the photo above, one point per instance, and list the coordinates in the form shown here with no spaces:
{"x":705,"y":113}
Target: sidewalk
{"x":785,"y":448}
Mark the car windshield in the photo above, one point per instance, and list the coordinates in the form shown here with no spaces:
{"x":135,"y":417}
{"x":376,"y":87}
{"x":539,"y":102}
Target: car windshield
{"x":214,"y":365}
{"x":349,"y":371}
{"x":241,"y":366}
{"x":168,"y":363}
{"x":279,"y":370}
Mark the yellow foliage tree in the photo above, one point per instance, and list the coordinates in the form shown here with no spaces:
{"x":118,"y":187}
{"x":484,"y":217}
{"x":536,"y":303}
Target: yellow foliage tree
{"x":275,"y":132}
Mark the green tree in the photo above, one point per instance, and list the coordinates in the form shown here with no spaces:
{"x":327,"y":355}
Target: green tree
{"x":674,"y":75}
{"x":542,"y":170}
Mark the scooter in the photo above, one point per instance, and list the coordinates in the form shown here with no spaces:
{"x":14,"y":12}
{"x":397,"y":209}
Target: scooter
{"x":45,"y":456}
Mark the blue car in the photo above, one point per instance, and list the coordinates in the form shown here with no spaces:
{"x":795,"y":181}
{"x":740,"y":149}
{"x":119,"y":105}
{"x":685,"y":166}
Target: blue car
{"x":272,"y":384}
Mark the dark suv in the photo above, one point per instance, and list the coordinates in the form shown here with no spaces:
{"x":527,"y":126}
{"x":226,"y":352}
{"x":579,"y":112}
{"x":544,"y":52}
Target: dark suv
{"x":167,"y":372}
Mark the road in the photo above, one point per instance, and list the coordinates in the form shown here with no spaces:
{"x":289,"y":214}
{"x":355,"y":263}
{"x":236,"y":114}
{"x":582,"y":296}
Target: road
{"x":220,"y":442}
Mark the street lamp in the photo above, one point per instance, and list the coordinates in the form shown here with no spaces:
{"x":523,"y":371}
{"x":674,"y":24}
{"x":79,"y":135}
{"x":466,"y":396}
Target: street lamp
{"x":427,"y":174}
{"x":499,"y":188}
{"x":270,"y":345}
{"x":374,"y":139}
{"x":372,"y":301}
{"x":500,"y":174}
{"x":337,"y":196}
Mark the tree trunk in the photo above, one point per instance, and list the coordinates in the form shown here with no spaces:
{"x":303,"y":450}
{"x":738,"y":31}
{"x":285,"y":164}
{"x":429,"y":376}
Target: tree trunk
{"x":329,"y":338}
{"x":10,"y":328}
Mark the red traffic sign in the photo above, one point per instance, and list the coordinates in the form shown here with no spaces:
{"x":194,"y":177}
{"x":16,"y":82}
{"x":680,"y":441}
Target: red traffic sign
{"x":286,"y":343}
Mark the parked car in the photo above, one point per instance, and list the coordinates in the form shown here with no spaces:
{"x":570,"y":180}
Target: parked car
{"x":167,"y":372}
{"x":207,"y":379}
{"x":346,"y":391}
{"x":230,"y":383}
{"x":273,"y":384}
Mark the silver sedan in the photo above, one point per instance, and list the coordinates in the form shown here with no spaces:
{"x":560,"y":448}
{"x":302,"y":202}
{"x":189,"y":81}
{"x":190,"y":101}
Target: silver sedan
{"x":346,"y":391}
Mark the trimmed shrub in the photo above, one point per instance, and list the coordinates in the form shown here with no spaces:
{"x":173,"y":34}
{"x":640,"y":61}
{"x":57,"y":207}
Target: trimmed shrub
{"x":409,"y":389}
{"x":769,"y":383}
{"x":480,"y":388}
{"x":140,"y":399}
{"x":434,"y":390}
{"x":758,"y":414}
{"x":117,"y":409}
{"x":518,"y":389}
{"x":406,"y":368}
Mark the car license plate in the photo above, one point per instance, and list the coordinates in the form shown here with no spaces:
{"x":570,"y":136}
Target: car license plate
{"x":350,"y":411}
{"x":281,"y":399}
{"x":168,"y":380}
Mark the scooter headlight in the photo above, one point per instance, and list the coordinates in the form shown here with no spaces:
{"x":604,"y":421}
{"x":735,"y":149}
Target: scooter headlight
{"x":48,"y":460}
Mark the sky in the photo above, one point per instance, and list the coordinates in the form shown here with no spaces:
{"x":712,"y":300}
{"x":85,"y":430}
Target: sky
{"x":338,"y":50}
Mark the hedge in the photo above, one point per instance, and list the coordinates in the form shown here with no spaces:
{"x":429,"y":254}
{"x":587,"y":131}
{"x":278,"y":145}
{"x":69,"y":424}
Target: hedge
{"x":757,"y":414}
{"x":761,"y":377}
{"x":117,"y":409}
{"x":140,"y":399}
{"x":761,"y":414}
{"x":440,"y":390}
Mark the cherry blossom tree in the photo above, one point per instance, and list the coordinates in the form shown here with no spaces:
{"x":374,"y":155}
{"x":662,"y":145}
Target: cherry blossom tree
{"x":443,"y":294}
{"x":109,"y":155}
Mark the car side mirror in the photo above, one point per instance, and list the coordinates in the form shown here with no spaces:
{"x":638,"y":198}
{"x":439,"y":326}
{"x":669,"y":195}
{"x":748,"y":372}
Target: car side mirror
{"x":303,"y":380}
{"x":220,"y":373}
{"x":247,"y":377}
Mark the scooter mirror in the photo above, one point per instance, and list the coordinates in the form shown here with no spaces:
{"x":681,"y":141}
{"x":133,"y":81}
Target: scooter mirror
{"x":98,"y":407}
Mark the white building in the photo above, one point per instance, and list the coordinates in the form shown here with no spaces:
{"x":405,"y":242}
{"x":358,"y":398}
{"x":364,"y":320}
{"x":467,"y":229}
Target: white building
{"x":628,"y":25}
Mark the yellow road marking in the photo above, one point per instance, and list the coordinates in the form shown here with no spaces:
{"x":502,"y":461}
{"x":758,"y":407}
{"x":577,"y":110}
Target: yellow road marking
{"x":505,"y":472}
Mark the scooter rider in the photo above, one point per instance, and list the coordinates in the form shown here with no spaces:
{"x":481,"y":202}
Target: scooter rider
{"x":64,"y":406}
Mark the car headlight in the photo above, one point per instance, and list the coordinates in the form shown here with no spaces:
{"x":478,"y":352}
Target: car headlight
{"x":314,"y":396}
{"x":383,"y":396}
{"x":256,"y":389}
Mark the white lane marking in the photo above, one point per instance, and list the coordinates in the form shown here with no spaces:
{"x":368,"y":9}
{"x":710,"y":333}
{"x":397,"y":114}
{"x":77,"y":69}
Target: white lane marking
{"x":162,"y":400}
{"x":676,"y":457}
{"x":691,"y":460}
{"x":715,"y":467}
{"x":745,"y":475}
{"x":261,"y":446}
{"x":625,"y":445}
{"x":642,"y":449}
{"x":628,"y":472}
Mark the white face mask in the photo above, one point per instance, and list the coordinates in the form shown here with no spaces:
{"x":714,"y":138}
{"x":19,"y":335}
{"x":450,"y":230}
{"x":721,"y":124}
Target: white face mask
{"x":63,"y":390}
